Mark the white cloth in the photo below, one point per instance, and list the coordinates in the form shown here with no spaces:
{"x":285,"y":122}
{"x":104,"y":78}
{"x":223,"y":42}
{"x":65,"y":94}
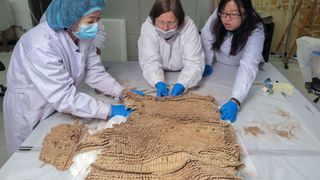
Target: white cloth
{"x":307,"y":61}
{"x":247,"y":59}
{"x":184,"y":53}
{"x":100,"y":39}
{"x":45,"y":68}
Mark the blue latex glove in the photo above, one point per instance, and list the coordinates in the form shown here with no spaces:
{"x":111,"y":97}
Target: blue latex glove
{"x":177,"y":89}
{"x":119,"y":110}
{"x":317,"y":53}
{"x":229,"y":111}
{"x":138,"y":92}
{"x":162,"y":89}
{"x":207,"y":71}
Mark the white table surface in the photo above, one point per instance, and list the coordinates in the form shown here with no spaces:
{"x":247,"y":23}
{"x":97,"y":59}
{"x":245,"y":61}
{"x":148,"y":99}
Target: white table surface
{"x":273,"y":156}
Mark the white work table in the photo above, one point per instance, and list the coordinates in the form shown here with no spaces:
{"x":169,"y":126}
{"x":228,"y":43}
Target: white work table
{"x":287,"y":145}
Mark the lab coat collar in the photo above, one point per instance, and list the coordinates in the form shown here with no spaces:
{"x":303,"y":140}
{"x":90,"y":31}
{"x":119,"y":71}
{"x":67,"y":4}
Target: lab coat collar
{"x":73,"y":45}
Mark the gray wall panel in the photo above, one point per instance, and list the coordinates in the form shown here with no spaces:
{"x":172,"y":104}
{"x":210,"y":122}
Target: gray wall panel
{"x":204,"y":9}
{"x":145,"y":7}
{"x":124,"y":9}
{"x":132,"y":39}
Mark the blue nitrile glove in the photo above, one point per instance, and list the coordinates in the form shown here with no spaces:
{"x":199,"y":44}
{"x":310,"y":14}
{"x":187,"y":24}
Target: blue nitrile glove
{"x":162,"y":89}
{"x":317,"y":53}
{"x":119,"y":110}
{"x":229,"y":111}
{"x":138,"y":92}
{"x":177,"y":89}
{"x":207,"y":71}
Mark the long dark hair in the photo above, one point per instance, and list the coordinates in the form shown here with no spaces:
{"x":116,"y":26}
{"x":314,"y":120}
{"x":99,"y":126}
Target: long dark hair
{"x":240,"y":35}
{"x":162,"y":6}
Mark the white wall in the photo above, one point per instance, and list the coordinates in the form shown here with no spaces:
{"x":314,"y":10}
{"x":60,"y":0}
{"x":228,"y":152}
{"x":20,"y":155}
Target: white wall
{"x":21,"y":13}
{"x":6,"y":18}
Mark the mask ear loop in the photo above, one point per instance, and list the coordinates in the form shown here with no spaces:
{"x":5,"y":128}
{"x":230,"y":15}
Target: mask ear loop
{"x":76,"y":41}
{"x":76,"y":23}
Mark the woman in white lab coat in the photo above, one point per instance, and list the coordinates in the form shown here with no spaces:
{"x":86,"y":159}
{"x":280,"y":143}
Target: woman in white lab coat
{"x":169,"y":40}
{"x":234,"y":35}
{"x":47,"y":65}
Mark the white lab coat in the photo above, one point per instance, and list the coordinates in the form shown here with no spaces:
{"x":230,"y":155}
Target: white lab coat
{"x":247,"y":59}
{"x":308,"y":62}
{"x":185,"y":54}
{"x":45,"y":68}
{"x":100,"y":39}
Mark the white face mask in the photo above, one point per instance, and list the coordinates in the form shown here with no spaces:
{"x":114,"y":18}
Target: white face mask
{"x":167,"y":34}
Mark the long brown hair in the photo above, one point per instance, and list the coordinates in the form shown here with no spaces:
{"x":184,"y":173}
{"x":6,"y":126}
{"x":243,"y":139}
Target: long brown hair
{"x":240,"y":36}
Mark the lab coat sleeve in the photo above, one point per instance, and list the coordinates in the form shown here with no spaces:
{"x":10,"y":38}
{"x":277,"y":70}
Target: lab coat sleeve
{"x":207,"y":39}
{"x":56,"y":85}
{"x":97,"y":77}
{"x":192,"y":56}
{"x":100,"y":39}
{"x":149,"y":55}
{"x":249,"y":64}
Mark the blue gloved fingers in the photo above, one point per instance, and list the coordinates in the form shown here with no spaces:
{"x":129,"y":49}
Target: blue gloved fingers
{"x":229,"y":111}
{"x":229,"y":106}
{"x":233,"y":118}
{"x":177,"y":89}
{"x":207,"y":71}
{"x":165,"y":93}
{"x":316,"y":53}
{"x":128,"y":112}
{"x":210,"y":70}
{"x":223,"y":108}
{"x":160,"y":85}
{"x":223,"y":115}
{"x":119,"y":110}
{"x":138,"y":92}
{"x":162,"y":89}
{"x":162,"y":92}
{"x":228,"y":116}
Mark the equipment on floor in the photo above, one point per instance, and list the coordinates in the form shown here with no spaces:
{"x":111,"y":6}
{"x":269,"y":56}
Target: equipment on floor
{"x":314,"y":87}
{"x":303,"y":20}
{"x":2,"y":87}
{"x":308,"y":53}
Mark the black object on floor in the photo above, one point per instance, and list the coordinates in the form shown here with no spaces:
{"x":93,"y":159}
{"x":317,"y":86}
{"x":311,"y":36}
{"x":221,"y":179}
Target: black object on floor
{"x":2,"y":90}
{"x":2,"y":67}
{"x":2,"y":87}
{"x":314,"y":87}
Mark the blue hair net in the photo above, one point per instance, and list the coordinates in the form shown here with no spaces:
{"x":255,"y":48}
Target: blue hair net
{"x":64,"y":13}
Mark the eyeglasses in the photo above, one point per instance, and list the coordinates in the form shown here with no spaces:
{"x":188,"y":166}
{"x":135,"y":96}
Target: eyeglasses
{"x":231,"y":16}
{"x":163,"y":23}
